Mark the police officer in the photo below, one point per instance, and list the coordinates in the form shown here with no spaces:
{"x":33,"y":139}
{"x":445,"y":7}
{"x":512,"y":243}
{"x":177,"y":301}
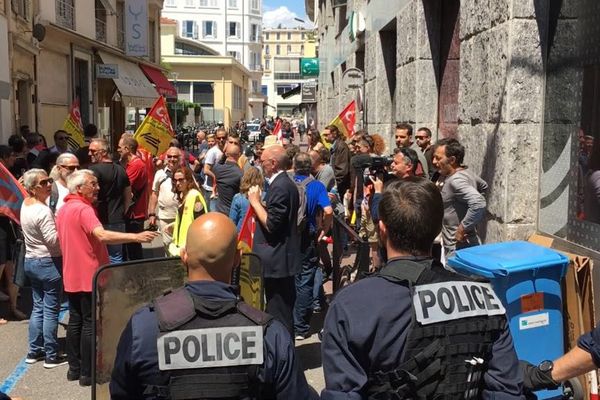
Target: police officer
{"x":416,"y":330}
{"x":200,"y":342}
{"x":581,"y":359}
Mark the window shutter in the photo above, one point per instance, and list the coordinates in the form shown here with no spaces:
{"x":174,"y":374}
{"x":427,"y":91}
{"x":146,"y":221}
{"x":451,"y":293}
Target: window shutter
{"x":204,"y":29}
{"x":214,"y":30}
{"x":195,"y":33}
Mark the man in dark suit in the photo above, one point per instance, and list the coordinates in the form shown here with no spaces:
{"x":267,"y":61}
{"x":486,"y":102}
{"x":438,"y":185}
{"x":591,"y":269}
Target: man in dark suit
{"x":276,"y":239}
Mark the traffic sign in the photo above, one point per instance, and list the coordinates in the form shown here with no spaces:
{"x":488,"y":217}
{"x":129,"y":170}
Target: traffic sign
{"x":309,"y":67}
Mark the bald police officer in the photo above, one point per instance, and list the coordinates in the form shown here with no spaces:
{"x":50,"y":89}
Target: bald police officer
{"x":416,"y":330}
{"x":199,"y":342}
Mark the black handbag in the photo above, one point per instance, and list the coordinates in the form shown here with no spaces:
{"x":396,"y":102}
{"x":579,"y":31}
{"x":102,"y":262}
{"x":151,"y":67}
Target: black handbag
{"x":18,"y":255}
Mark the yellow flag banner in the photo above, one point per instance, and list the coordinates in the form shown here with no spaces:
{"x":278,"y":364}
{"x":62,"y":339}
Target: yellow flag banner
{"x":74,"y":127}
{"x":345,"y":122}
{"x":155,"y":132}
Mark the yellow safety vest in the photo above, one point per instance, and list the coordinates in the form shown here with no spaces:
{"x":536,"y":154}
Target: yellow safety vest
{"x":184,"y":220}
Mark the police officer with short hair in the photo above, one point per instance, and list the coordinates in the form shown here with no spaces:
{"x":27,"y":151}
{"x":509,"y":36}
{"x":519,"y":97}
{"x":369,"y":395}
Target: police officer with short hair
{"x":200,"y":342}
{"x":415,"y":330}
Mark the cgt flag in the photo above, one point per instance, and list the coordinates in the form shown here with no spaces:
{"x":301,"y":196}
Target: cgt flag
{"x":155,"y":133}
{"x":344,"y":122}
{"x":277,"y":130}
{"x":11,"y":195}
{"x":246,"y":235}
{"x":74,"y":127}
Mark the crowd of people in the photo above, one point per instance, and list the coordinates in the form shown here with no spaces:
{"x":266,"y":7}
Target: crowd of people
{"x":293,"y":192}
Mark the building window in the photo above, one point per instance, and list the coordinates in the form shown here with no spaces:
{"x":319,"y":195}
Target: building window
{"x":65,"y":12}
{"x":277,"y":49}
{"x":302,"y":49}
{"x":23,"y":7}
{"x":267,"y":36}
{"x":209,"y":29}
{"x":267,"y":64}
{"x":190,"y":3}
{"x":234,"y":29}
{"x":267,"y":49}
{"x":264,"y":89}
{"x":289,"y":49}
{"x":233,"y":3}
{"x":254,"y":33}
{"x":208,"y":3}
{"x":189,"y":29}
{"x":255,"y":5}
{"x":278,"y":36}
{"x":289,"y":35}
{"x":238,"y":98}
{"x":234,"y":54}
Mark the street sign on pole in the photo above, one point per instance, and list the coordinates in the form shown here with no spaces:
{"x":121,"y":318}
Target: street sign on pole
{"x":309,"y":92}
{"x":309,"y":67}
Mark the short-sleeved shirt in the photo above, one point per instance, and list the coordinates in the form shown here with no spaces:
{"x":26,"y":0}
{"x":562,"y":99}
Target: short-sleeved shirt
{"x":228,"y":176}
{"x":316,"y":199}
{"x":167,"y":202}
{"x":113,"y":180}
{"x":83,"y":253}
{"x":213,"y":155}
{"x":138,"y":178}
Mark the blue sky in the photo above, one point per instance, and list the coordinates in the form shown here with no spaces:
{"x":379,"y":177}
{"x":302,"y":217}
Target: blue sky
{"x":283,"y":12}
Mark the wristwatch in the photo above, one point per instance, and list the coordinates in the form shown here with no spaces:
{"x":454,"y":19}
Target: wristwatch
{"x":152,"y":215}
{"x":546,"y":366}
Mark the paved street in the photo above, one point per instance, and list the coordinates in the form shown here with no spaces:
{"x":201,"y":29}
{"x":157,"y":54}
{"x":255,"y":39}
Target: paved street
{"x":32,"y":382}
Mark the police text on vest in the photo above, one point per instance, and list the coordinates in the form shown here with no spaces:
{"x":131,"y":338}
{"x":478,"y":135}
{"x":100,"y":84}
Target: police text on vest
{"x":447,"y":301}
{"x":210,"y":347}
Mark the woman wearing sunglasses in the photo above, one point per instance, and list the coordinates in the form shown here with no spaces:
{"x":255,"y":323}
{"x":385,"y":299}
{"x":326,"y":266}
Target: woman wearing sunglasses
{"x":191,"y":206}
{"x":43,"y":266}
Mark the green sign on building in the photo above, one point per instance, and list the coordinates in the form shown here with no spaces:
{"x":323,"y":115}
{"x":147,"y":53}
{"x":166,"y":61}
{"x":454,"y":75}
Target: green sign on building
{"x":309,"y":67}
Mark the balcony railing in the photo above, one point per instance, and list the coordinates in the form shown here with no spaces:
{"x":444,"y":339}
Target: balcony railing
{"x":100,"y":30}
{"x":287,"y":75}
{"x":256,"y":67}
{"x":65,"y":13}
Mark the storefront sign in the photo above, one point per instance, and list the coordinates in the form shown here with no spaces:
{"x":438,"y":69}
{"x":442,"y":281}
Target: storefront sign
{"x":136,"y":28}
{"x":309,"y":92}
{"x":107,"y":71}
{"x":309,"y":67}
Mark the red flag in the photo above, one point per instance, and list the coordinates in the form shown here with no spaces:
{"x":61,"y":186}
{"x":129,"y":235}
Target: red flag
{"x":277,"y":130}
{"x":346,"y":119}
{"x":147,"y":158}
{"x":246,"y":234}
{"x":12,"y":195}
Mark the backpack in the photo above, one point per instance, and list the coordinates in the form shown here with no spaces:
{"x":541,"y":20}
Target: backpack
{"x":303,"y":203}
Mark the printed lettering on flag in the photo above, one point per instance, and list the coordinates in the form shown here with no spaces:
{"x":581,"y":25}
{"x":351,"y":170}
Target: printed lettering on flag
{"x":155,"y":132}
{"x":11,"y":195}
{"x":345,"y":122}
{"x":74,"y":127}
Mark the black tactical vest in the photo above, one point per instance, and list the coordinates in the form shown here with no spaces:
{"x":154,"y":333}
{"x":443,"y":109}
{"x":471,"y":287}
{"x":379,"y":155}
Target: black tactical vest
{"x":181,"y":311}
{"x":441,"y":360}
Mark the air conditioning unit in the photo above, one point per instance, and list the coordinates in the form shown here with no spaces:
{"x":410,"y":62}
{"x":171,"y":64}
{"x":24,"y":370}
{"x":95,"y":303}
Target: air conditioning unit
{"x":339,"y":3}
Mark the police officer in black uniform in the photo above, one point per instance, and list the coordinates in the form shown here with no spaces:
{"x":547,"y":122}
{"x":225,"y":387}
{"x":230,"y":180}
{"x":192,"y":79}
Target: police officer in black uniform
{"x":416,"y":330}
{"x":200,"y":342}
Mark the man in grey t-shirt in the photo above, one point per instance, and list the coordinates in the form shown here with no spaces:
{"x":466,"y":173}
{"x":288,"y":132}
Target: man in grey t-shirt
{"x":463,"y":196}
{"x":321,"y":169}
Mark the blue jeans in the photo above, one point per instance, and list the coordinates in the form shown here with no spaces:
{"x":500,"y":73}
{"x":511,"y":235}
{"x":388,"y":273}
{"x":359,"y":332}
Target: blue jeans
{"x":305,"y":279}
{"x":318,"y":292}
{"x":46,"y":288}
{"x":115,"y":251}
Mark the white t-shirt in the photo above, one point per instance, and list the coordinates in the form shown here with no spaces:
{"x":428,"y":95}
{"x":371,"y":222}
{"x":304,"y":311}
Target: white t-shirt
{"x":39,"y":230}
{"x":213,"y":155}
{"x":63,"y":191}
{"x":167,"y":202}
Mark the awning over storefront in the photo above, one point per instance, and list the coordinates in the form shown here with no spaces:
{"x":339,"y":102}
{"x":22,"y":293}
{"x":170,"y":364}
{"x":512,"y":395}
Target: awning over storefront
{"x":135,"y":89}
{"x":163,"y":86}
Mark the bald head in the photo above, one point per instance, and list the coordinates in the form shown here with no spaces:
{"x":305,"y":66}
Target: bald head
{"x":279,"y":154}
{"x":233,"y":151}
{"x":210,"y":251}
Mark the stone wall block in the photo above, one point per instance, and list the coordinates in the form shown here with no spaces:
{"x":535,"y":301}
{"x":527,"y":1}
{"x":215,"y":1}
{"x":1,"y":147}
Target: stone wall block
{"x":525,"y":81}
{"x":427,"y":29}
{"x":473,"y":85}
{"x":474,"y":17}
{"x":406,"y":28}
{"x":371,"y":101}
{"x":499,"y":12}
{"x":406,"y":79}
{"x":372,"y":44}
{"x":426,"y":96}
{"x":497,"y":73}
{"x":528,"y":8}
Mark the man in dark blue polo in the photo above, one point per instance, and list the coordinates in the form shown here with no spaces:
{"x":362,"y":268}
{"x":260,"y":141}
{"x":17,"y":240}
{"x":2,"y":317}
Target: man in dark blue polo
{"x":318,"y":215}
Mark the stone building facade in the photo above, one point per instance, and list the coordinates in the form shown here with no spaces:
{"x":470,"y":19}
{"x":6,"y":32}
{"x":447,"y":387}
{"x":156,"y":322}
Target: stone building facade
{"x":515,"y":80}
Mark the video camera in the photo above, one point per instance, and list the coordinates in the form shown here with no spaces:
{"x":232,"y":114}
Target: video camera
{"x":375,"y":164}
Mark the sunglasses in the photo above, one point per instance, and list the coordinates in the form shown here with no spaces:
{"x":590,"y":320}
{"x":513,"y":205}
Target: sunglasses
{"x":46,"y":182}
{"x":178,"y":180}
{"x":168,"y":156}
{"x":70,"y":167}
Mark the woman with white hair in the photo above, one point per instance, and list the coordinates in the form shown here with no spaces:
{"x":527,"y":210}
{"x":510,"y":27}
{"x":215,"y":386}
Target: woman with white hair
{"x":43,"y":266}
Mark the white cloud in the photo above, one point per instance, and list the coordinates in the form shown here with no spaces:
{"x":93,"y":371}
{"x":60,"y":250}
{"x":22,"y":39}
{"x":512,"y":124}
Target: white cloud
{"x":282,"y":15}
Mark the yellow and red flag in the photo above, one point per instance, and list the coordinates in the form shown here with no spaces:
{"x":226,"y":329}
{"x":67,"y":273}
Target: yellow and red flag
{"x":277,"y":130}
{"x":155,"y":132}
{"x":345,"y":122}
{"x":11,"y":195}
{"x":74,"y":127}
{"x":246,"y":234}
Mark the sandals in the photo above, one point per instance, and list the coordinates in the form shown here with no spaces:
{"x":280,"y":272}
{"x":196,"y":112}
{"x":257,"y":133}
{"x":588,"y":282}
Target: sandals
{"x":3,"y":321}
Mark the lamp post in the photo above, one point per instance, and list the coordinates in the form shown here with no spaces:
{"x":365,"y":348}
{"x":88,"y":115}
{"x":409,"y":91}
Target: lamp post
{"x":174,"y":76}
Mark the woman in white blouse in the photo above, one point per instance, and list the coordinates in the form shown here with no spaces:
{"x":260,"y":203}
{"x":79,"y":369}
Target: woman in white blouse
{"x":43,"y":266}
